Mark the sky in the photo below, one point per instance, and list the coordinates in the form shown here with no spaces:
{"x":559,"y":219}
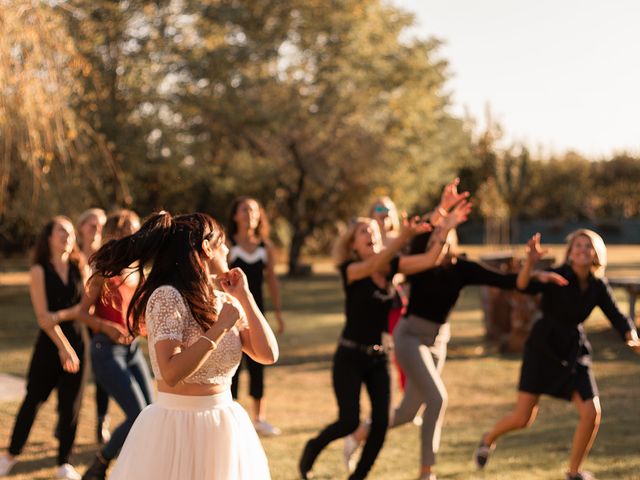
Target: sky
{"x":557,"y":74}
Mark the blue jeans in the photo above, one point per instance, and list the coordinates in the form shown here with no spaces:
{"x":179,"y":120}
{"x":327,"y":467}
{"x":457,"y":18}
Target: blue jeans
{"x":123,"y":372}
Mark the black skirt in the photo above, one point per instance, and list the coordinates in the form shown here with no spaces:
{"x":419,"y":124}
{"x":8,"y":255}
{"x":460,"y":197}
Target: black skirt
{"x":557,"y":362}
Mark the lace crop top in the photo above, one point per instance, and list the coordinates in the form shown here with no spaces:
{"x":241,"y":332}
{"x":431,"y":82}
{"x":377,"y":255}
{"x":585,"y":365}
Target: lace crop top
{"x":168,"y":317}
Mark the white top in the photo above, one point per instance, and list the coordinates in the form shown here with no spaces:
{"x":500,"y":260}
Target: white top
{"x":259,"y":254}
{"x":168,"y":317}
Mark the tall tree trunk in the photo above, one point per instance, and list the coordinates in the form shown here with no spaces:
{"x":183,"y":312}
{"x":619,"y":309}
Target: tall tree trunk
{"x":295,"y":249}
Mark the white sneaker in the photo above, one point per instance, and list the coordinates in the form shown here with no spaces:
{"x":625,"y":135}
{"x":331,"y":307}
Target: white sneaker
{"x":6,"y":464}
{"x":348,"y":452}
{"x":266,"y":429}
{"x":67,"y":472}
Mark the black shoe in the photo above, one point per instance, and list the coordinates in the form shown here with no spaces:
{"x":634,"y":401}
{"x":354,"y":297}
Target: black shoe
{"x":306,"y":461}
{"x":580,"y":476}
{"x":97,"y":470}
{"x":482,"y":453}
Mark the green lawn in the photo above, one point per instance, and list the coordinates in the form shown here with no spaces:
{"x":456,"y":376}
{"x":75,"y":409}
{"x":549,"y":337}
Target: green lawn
{"x":481,"y":386}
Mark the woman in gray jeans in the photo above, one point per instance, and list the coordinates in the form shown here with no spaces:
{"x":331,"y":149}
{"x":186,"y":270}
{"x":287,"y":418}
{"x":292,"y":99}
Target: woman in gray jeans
{"x":421,"y":337}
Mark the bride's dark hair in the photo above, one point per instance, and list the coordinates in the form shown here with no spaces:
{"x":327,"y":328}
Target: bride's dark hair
{"x":167,"y":250}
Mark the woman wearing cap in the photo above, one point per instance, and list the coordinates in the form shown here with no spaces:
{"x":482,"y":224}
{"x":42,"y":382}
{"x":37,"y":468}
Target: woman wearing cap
{"x":384,"y":211}
{"x":557,"y":355}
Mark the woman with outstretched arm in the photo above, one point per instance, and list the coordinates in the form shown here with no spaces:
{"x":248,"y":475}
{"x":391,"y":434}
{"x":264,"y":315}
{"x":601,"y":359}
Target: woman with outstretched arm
{"x":557,"y":354}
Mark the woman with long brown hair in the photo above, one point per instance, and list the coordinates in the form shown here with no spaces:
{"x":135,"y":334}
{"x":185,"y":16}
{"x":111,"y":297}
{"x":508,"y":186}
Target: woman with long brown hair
{"x":199,"y":317}
{"x":557,"y":354}
{"x":59,"y":357}
{"x":251,"y":250}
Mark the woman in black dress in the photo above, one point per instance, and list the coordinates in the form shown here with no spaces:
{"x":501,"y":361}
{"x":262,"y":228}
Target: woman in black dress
{"x":557,"y":355}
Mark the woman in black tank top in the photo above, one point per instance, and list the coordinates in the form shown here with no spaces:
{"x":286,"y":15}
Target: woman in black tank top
{"x":251,"y":251}
{"x":59,"y":355}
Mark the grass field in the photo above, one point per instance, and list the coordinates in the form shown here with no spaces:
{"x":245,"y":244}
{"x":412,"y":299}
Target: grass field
{"x":481,"y":385}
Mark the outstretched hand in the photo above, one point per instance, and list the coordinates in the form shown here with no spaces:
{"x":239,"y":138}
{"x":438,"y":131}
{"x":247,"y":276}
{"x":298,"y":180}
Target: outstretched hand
{"x":534,"y":250}
{"x":413,"y":226}
{"x":450,"y":195}
{"x":458,"y":215}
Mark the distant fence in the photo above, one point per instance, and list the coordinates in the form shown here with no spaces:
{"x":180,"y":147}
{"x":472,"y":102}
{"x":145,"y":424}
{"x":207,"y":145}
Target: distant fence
{"x":556,"y":231}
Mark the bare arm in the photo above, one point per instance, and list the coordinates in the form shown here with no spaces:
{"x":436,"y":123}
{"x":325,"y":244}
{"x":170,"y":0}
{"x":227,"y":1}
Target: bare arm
{"x":258,"y":341}
{"x":98,"y":325}
{"x":379,"y":261}
{"x":177,"y":362}
{"x":410,"y":264}
{"x":48,"y":321}
{"x":534,"y":253}
{"x":450,"y":198}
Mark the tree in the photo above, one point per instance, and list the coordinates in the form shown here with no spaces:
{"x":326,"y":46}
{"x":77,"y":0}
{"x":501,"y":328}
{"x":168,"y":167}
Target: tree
{"x":327,"y":103}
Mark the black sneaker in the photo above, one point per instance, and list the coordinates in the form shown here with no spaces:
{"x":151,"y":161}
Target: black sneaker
{"x":306,"y":462}
{"x":580,"y":476}
{"x":97,"y":470}
{"x":482,"y":453}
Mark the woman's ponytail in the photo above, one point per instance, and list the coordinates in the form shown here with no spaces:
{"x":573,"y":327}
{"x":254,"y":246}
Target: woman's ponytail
{"x":141,"y":247}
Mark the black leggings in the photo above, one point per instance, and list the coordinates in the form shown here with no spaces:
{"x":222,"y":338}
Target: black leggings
{"x":351,"y":369}
{"x":45,"y":374}
{"x":256,"y":378}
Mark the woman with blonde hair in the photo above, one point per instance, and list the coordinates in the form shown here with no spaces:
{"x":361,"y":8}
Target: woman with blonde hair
{"x":384,"y":211}
{"x":367,"y":269}
{"x":89,"y":227}
{"x":557,"y":355}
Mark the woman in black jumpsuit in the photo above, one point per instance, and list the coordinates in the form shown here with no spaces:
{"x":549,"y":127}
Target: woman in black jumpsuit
{"x":59,"y":357}
{"x":366,"y":270}
{"x":557,"y":355}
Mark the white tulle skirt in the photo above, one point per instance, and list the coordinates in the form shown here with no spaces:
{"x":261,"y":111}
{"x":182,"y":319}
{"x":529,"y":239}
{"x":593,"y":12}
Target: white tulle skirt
{"x":192,"y":438}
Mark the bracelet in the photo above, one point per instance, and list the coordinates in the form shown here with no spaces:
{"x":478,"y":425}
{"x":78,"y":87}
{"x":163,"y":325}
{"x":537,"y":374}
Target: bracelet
{"x":213,"y":343}
{"x":442,"y":211}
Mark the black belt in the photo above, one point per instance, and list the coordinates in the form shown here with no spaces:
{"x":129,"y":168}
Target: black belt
{"x":366,"y":349}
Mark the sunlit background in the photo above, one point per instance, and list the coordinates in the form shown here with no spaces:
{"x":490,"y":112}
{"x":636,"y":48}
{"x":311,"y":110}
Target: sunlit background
{"x":560,"y":74}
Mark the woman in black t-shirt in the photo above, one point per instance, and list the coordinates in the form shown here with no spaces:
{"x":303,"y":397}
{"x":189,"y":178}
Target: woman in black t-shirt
{"x":557,"y":354}
{"x":59,"y":357}
{"x":366,"y":269}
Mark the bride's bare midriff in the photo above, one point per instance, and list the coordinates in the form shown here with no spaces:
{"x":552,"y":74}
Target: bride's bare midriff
{"x":195,"y":389}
